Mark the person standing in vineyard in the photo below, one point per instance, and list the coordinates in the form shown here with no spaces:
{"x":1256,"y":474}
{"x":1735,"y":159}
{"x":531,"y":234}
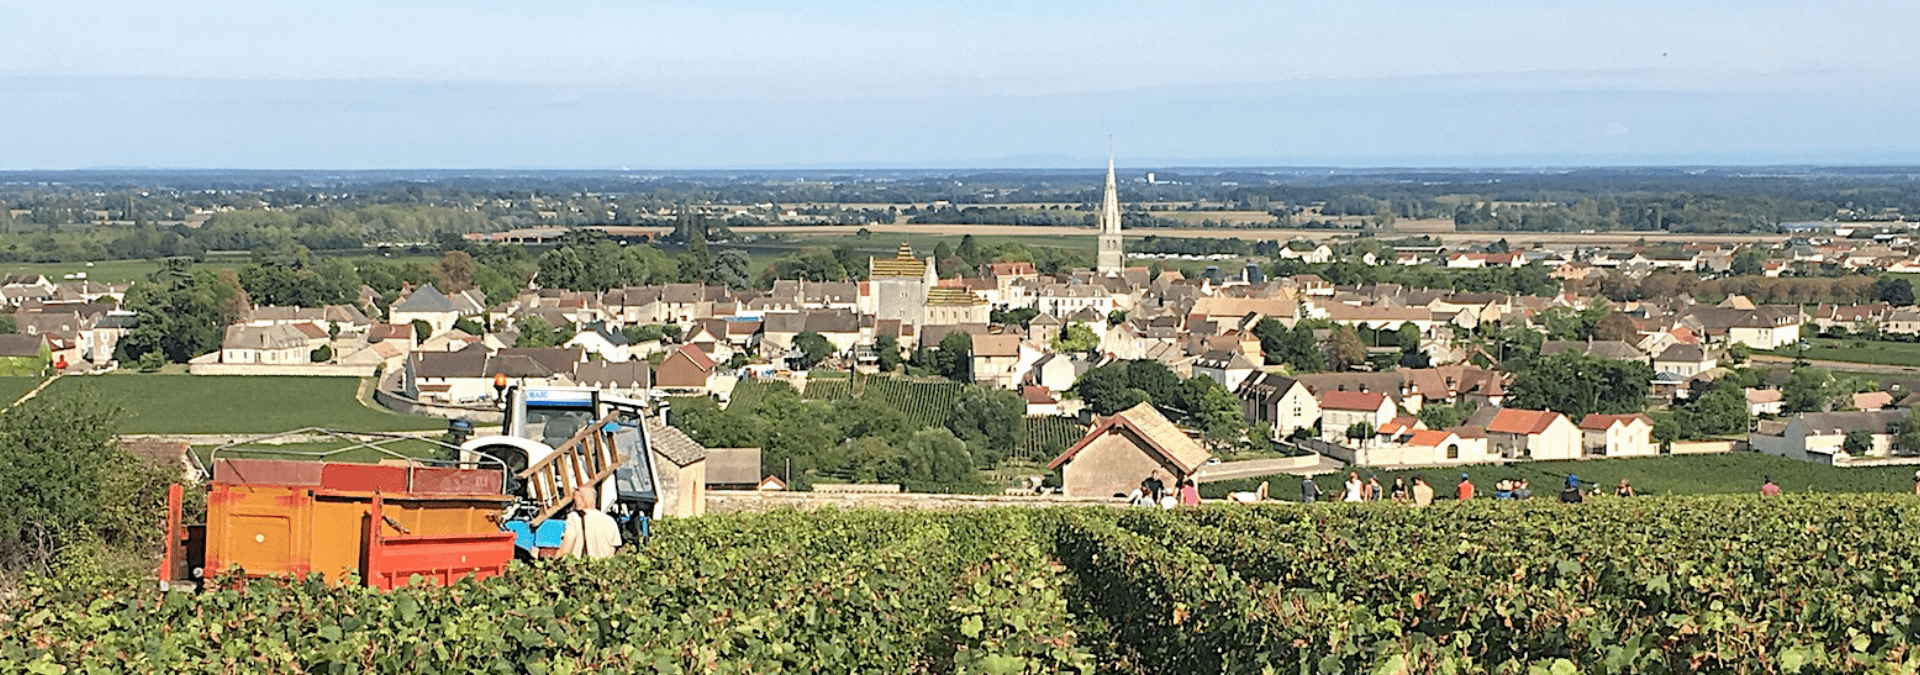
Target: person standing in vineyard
{"x":1153,"y":486}
{"x":1422,"y":492}
{"x":591,"y":533}
{"x":1768,"y":489}
{"x":1309,"y":490}
{"x":1189,"y":493}
{"x":1399,"y":489}
{"x":1356,"y":490}
{"x":1572,"y":494}
{"x":1464,"y":491}
{"x":1625,"y":489}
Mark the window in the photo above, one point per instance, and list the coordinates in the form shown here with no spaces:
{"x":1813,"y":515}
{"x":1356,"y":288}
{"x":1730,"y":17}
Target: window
{"x":1453,"y":451}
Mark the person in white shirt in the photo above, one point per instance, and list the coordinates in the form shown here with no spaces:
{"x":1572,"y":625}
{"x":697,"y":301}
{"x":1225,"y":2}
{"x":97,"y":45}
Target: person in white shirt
{"x":1355,"y":488}
{"x":590,"y":533}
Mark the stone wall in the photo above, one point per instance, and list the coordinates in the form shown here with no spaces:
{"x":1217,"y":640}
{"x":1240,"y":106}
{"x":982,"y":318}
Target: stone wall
{"x":299,"y":369}
{"x":402,"y":404}
{"x":1706,"y":447}
{"x":740,"y":501}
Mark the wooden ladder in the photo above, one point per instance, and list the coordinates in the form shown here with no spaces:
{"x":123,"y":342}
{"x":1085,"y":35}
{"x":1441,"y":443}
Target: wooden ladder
{"x":583,"y":461}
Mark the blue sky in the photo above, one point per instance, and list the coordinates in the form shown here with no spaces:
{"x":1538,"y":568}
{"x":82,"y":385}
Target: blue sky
{"x":591,"y":84}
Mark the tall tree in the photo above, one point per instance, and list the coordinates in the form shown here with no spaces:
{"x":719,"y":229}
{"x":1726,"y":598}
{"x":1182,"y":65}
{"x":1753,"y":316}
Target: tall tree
{"x":455,"y":272}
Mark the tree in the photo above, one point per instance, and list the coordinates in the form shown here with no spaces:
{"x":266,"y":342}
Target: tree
{"x":58,"y":468}
{"x":1858,"y":442}
{"x":1576,"y":385}
{"x":887,"y":349}
{"x":7,"y":325}
{"x":1721,"y":411}
{"x":1020,"y":315}
{"x":1213,"y":409}
{"x":1106,"y":391}
{"x":182,"y":319}
{"x":1301,"y":351}
{"x":988,"y":419}
{"x":469,"y":326}
{"x":321,"y":354}
{"x":1907,"y":440}
{"x":812,"y":347}
{"x":1116,"y":317}
{"x":955,"y":358}
{"x":1359,"y":432}
{"x":1616,"y":326}
{"x":536,"y":332}
{"x":1347,"y":351}
{"x":1896,"y":291}
{"x":933,"y":456}
{"x":423,"y":330}
{"x":1446,"y":415}
{"x":1077,"y":338}
{"x":1807,"y":390}
{"x":454,"y":272}
{"x":1156,"y":380}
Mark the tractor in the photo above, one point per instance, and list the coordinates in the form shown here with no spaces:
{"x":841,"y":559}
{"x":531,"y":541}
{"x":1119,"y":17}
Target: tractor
{"x":486,"y":501}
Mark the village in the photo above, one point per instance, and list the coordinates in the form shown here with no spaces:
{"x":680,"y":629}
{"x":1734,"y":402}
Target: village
{"x":1288,"y":348}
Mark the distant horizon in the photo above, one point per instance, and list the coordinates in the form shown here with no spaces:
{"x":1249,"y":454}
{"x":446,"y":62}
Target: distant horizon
{"x":1091,"y":166}
{"x":755,"y":85}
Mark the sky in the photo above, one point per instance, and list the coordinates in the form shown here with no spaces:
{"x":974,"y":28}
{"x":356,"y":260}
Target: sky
{"x":352,"y":84}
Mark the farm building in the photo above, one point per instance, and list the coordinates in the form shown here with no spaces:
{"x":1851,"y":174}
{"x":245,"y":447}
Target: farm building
{"x":1123,"y":450}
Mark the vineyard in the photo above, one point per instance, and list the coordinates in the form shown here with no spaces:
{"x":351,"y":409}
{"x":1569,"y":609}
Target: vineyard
{"x":925,"y":403}
{"x":1043,"y":438}
{"x":1662,"y":585}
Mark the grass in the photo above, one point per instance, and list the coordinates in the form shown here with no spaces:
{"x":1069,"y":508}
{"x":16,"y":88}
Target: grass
{"x":124,"y":271}
{"x":12,"y":388}
{"x":1726,"y":473}
{"x":181,"y":404}
{"x":1858,"y":351}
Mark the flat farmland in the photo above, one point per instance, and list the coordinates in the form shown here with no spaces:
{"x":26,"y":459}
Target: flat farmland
{"x":202,"y":404}
{"x":1057,"y":233}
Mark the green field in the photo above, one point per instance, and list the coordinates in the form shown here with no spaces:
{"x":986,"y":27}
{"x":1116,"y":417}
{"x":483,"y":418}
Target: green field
{"x":1727,"y":473}
{"x":1857,"y":351}
{"x":124,"y":271}
{"x":12,"y":388}
{"x":1795,"y":584}
{"x":182,"y":404}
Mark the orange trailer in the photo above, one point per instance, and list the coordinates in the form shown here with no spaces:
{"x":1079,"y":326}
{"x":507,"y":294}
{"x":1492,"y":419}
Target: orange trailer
{"x":384,"y":523}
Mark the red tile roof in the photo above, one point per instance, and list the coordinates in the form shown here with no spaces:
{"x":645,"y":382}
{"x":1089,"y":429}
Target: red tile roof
{"x":1516,"y":421}
{"x":1352,"y":400}
{"x":698,"y":357}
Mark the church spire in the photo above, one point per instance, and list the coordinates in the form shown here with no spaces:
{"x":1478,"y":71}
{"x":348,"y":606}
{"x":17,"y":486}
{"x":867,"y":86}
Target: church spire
{"x":1111,"y":259}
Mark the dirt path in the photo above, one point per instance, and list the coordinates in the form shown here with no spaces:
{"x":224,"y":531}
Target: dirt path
{"x":36,"y":390}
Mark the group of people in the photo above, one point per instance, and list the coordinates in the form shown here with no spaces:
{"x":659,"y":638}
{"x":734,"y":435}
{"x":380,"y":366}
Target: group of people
{"x":1420,"y":493}
{"x":1153,"y":491}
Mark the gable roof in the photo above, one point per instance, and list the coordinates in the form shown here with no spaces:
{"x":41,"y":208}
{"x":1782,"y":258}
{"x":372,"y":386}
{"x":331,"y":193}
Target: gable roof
{"x":16,"y":344}
{"x":1352,"y":400}
{"x":1683,"y":353}
{"x":426,"y":298}
{"x":1155,"y":433}
{"x":996,"y":346}
{"x":698,"y":357}
{"x":1599,"y":422}
{"x":621,"y":374}
{"x":672,"y":444}
{"x":1517,"y":421}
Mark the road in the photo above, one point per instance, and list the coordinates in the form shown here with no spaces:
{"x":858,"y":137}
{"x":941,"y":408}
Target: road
{"x":1841,"y":365}
{"x":1311,"y":464}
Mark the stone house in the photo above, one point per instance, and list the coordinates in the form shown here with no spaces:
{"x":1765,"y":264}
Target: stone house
{"x":1123,"y":450}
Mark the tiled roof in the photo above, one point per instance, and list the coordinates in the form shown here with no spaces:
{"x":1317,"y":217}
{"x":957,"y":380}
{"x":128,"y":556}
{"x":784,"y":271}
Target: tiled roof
{"x":1517,"y":421}
{"x":1599,"y":422}
{"x":1158,"y":434}
{"x":902,"y":265}
{"x":672,"y":444}
{"x":1352,"y":400}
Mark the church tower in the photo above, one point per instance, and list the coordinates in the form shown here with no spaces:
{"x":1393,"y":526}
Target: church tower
{"x":1111,"y":259}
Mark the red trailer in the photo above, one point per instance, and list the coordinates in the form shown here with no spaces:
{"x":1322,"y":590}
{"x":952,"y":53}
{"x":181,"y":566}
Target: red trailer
{"x":384,"y":523}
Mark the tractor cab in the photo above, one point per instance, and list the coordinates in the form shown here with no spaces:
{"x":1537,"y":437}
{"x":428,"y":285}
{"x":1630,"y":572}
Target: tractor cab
{"x":556,"y":439}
